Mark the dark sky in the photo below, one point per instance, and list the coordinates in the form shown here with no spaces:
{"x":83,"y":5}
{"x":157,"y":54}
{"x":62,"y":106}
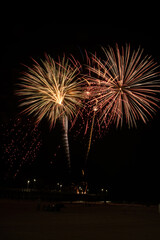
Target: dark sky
{"x":127,"y":159}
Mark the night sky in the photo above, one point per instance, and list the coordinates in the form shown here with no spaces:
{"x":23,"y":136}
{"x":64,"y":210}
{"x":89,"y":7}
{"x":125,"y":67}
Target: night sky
{"x":123,"y":159}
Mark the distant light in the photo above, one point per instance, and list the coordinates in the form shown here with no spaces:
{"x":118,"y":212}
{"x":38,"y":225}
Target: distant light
{"x":34,"y":180}
{"x":28,"y":181}
{"x":102,"y":190}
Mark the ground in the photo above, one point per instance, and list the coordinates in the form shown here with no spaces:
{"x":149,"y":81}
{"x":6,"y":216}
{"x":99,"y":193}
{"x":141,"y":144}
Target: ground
{"x":24,"y":220}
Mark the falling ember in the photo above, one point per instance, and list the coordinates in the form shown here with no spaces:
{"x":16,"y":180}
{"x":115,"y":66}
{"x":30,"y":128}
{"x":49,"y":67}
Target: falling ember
{"x":21,"y":142}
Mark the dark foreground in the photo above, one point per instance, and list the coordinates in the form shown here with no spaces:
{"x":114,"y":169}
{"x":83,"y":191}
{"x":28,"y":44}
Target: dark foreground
{"x":23,"y":220}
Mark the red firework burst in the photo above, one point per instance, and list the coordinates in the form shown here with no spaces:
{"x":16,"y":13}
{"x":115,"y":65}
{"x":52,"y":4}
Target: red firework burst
{"x":124,"y":86}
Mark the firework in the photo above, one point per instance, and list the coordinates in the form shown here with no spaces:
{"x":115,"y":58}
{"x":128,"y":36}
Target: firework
{"x":124,"y":86}
{"x":20,"y":144}
{"x":53,"y":90}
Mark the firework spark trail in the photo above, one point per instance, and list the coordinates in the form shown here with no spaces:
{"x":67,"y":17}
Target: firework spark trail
{"x":65,"y":142}
{"x":53,"y":90}
{"x":124,"y":86}
{"x":90,"y":137}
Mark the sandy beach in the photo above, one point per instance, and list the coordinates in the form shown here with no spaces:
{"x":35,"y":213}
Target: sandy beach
{"x":28,"y":220}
